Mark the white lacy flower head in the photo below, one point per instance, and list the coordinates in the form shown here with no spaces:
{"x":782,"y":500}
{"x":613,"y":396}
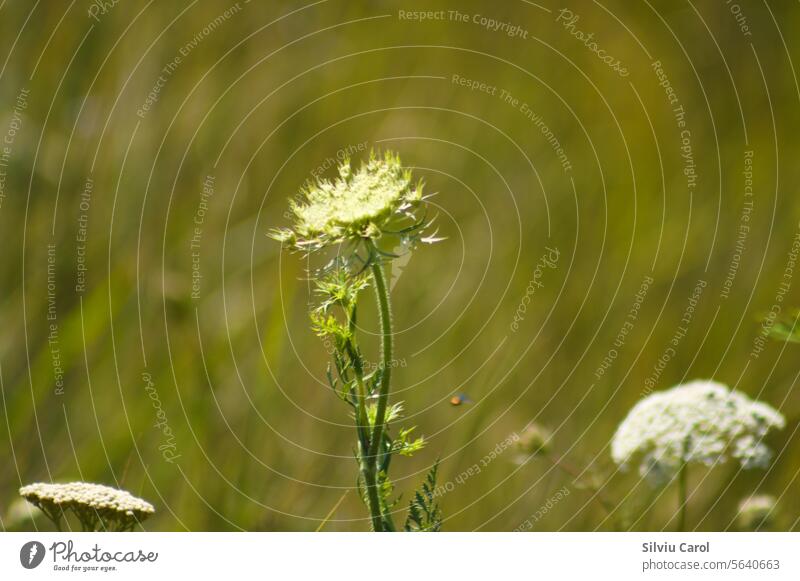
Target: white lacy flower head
{"x":756,"y":512}
{"x":702,"y":421}
{"x":85,"y":495}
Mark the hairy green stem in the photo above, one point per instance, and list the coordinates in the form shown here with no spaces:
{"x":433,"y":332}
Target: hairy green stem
{"x":367,"y":468}
{"x":362,"y":427}
{"x":386,"y":356}
{"x":382,"y":293}
{"x":373,"y":500}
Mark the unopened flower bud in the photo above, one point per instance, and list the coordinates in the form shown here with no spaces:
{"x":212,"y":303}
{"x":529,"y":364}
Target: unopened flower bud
{"x":533,"y":441}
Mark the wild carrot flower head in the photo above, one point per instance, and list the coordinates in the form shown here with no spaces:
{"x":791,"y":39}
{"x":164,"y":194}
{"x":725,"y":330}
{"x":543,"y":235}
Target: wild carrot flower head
{"x":756,"y":511}
{"x":534,"y":441}
{"x":364,"y":203}
{"x":91,"y":503}
{"x":702,"y":421}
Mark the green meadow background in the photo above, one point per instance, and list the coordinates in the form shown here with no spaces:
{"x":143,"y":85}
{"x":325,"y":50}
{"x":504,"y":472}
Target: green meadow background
{"x":152,"y":337}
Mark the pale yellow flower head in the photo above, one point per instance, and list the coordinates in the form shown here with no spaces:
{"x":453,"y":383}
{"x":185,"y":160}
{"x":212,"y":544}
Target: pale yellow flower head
{"x":359,"y":204}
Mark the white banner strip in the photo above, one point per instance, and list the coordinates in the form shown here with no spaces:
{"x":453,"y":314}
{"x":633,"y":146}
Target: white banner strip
{"x":388,"y":557}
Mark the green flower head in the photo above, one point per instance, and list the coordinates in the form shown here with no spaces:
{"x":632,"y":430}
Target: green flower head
{"x":360,"y":204}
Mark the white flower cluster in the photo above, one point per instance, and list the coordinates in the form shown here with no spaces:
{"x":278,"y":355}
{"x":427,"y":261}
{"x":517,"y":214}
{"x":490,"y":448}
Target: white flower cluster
{"x":87,"y":495}
{"x":756,"y":512}
{"x":701,"y":421}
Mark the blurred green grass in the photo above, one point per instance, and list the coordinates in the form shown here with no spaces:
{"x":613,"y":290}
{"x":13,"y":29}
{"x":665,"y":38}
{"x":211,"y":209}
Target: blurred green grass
{"x":264,"y":100}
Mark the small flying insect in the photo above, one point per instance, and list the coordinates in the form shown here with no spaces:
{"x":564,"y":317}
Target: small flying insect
{"x":459,"y":398}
